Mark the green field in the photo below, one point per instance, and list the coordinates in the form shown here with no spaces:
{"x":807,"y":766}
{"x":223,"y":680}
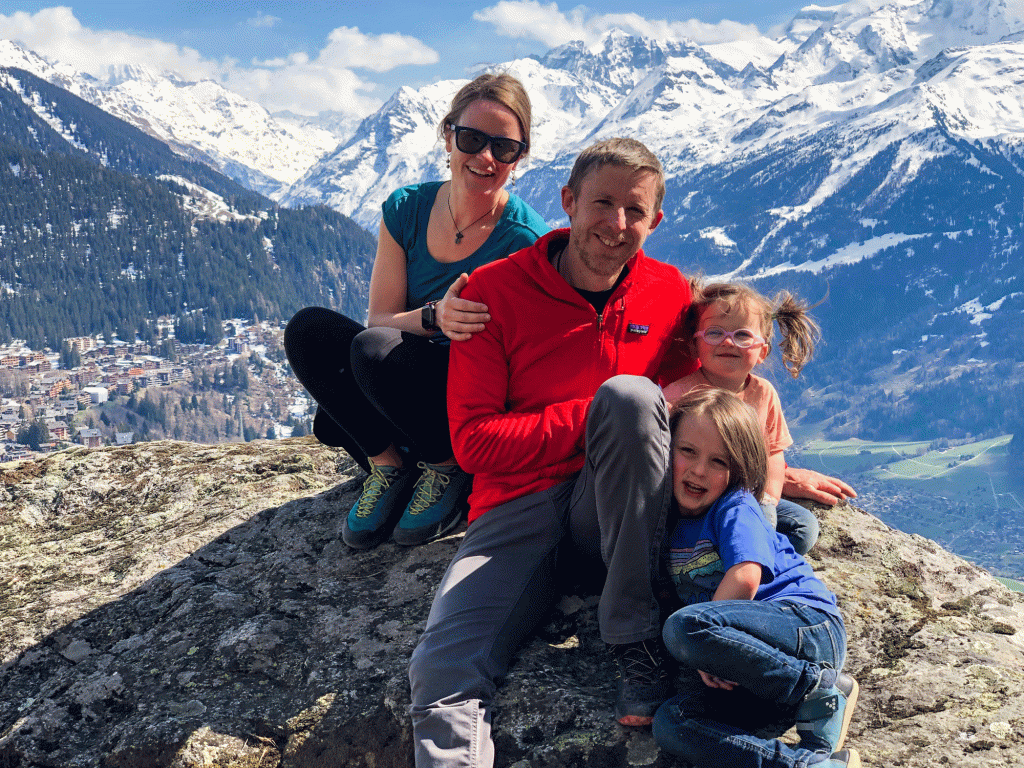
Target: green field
{"x":968,"y":473}
{"x":963,"y":497}
{"x":1016,"y":586}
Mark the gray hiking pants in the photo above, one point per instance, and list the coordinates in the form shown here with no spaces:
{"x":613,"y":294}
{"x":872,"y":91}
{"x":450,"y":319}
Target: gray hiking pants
{"x":502,"y":580}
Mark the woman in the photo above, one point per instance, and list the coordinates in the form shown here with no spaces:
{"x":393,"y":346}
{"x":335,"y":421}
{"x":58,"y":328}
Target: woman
{"x":381,"y":391}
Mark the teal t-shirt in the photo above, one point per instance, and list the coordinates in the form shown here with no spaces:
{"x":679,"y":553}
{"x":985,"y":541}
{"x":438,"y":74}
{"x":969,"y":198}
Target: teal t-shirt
{"x":406,"y":213}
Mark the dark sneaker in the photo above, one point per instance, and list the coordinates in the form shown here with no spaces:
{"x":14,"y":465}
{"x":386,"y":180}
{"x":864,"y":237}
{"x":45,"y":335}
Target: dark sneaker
{"x":823,"y":717}
{"x":844,"y":758}
{"x":437,"y":504}
{"x":644,"y":682}
{"x":386,"y":491}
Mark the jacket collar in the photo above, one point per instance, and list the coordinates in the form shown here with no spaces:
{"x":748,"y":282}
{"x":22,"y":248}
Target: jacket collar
{"x":535,"y":262}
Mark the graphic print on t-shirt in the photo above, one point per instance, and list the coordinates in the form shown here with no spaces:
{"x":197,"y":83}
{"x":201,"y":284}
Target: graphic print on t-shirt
{"x":696,"y":572}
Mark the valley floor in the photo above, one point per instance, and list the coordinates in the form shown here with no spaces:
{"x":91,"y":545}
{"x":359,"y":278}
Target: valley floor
{"x":964,"y":497}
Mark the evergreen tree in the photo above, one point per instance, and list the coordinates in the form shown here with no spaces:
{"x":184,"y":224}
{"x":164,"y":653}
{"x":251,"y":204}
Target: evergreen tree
{"x":69,"y":357}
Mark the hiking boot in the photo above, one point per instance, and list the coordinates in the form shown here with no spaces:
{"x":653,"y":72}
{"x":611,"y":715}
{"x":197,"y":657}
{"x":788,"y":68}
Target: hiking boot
{"x":824,"y":715}
{"x":386,"y":491}
{"x":844,"y":758}
{"x":438,"y":501}
{"x":643,"y":682}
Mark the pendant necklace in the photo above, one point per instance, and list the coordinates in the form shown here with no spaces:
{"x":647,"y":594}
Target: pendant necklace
{"x":460,"y":233}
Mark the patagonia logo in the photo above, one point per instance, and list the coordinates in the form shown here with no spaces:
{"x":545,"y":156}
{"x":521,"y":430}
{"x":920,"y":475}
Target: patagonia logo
{"x":639,"y":329}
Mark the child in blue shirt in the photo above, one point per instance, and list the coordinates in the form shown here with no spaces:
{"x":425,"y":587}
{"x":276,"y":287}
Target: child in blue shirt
{"x":759,"y":639}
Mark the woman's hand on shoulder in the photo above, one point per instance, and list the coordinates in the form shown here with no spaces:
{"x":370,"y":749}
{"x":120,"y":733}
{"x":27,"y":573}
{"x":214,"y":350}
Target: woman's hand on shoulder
{"x":459,"y":318}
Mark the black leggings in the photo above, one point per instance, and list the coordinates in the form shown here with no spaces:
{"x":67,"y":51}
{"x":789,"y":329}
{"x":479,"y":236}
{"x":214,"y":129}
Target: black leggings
{"x":374,"y":387}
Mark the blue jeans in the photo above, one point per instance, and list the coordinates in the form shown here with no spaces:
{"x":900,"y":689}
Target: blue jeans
{"x":795,"y":522}
{"x":775,"y":651}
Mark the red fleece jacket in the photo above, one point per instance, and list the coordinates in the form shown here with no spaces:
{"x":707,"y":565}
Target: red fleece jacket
{"x":518,"y":391}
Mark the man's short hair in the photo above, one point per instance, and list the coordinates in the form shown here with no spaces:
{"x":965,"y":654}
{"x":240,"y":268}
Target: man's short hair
{"x":628,"y":153}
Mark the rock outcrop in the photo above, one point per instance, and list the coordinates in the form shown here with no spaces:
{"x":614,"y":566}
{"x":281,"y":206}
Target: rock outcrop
{"x":178,"y":605}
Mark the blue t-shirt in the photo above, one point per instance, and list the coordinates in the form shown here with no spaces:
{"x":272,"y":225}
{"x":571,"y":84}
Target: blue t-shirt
{"x":406,"y":213}
{"x":733,"y":531}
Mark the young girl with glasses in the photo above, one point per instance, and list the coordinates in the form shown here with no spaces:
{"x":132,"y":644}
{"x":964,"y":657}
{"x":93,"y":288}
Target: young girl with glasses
{"x":760,"y":641}
{"x":730,"y":327}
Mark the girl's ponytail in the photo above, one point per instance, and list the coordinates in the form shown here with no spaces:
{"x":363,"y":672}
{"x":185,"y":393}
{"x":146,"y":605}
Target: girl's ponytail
{"x":799,"y":331}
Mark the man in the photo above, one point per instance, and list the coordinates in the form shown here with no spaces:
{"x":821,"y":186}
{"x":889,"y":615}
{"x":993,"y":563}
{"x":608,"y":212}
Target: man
{"x":559,"y":450}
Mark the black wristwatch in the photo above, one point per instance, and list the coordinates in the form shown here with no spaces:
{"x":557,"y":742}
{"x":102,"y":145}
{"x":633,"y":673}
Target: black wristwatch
{"x":428,"y":318}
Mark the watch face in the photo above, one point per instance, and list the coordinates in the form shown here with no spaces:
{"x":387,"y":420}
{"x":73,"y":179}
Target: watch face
{"x":428,"y":319}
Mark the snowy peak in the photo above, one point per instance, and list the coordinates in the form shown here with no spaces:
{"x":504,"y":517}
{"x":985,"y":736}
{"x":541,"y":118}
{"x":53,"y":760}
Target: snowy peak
{"x":13,"y":55}
{"x":873,"y":77}
{"x":240,"y":137}
{"x":200,"y":120}
{"x":979,"y":21}
{"x":139,"y":73}
{"x":398,"y":141}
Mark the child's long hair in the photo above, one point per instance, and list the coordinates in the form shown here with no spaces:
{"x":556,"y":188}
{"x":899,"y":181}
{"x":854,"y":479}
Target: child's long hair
{"x":740,"y":430}
{"x":799,"y":330}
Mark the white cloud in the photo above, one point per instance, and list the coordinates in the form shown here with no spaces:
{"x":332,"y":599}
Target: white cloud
{"x":348,"y":47}
{"x":298,"y":82}
{"x":547,"y":24}
{"x":262,"y":19}
{"x":57,"y":34}
{"x":304,"y":89}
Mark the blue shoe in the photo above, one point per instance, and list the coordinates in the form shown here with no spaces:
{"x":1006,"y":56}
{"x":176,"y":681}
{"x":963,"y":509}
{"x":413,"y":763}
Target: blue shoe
{"x":437,"y":504}
{"x":844,"y":758}
{"x":386,"y":491}
{"x":823,"y":717}
{"x":643,"y":683}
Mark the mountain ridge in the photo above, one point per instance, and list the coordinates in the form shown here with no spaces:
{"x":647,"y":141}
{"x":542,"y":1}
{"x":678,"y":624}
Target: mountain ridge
{"x":200,"y":119}
{"x":878,"y":157}
{"x":103,"y":228}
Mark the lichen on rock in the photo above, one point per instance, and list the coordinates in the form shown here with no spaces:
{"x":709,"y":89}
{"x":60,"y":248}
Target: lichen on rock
{"x":179,"y":605}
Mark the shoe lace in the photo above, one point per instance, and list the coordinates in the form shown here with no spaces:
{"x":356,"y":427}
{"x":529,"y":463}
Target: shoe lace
{"x":638,"y":664}
{"x":373,"y":488}
{"x":429,"y":488}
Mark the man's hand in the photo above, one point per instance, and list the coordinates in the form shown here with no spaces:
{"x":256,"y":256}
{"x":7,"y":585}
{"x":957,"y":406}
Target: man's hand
{"x":459,"y":318}
{"x":808,"y":484}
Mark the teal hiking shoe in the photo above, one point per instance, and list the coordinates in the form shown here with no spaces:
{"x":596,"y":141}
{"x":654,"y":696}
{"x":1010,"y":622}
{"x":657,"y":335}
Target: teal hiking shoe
{"x":844,"y":758}
{"x":437,"y":504}
{"x":824,"y":716}
{"x":386,"y":491}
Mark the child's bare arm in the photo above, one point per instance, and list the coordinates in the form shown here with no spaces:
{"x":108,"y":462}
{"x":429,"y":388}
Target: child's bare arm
{"x":740,"y":582}
{"x":776,"y":476}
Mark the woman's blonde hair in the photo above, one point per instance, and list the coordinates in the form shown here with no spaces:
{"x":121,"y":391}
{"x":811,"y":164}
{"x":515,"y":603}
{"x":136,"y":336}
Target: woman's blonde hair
{"x":799,"y":330}
{"x":500,"y":88}
{"x":741,"y":434}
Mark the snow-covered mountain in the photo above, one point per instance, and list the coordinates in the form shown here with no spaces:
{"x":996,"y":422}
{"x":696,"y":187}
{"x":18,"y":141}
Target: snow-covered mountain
{"x":901,"y":64}
{"x":201,"y":120}
{"x":873,"y":153}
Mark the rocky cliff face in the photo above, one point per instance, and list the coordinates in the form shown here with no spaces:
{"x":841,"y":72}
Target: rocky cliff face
{"x":179,"y":605}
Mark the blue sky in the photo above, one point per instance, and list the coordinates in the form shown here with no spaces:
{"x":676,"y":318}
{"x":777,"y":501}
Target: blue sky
{"x":350,"y":56}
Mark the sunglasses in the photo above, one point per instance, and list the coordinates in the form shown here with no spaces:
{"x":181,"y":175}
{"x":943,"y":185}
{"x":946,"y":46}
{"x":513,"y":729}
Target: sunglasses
{"x":503,"y":149}
{"x":744,"y":338}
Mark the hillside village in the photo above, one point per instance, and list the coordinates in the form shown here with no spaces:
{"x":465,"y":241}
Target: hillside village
{"x":110,"y":392}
